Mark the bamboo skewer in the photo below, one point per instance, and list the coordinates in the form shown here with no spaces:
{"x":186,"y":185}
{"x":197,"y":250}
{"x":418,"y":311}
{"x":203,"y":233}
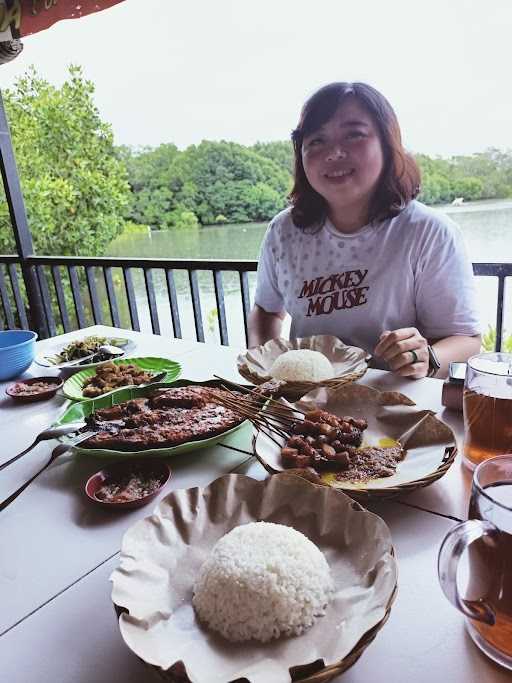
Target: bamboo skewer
{"x":258,"y":396}
{"x":259,"y":420}
{"x":274,"y":420}
{"x":284,"y":414}
{"x":279,"y":423}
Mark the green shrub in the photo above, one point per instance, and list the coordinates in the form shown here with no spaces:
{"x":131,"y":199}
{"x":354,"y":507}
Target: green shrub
{"x":489,"y":340}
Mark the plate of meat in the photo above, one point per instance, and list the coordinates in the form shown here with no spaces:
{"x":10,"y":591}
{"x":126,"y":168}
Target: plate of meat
{"x":116,"y":374}
{"x":365,"y":442}
{"x":153,"y":421}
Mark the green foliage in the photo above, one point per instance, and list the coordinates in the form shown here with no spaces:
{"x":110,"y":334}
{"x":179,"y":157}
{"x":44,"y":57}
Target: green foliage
{"x":229,"y":179}
{"x":221,"y":182}
{"x":487,"y":175}
{"x":131,"y":228}
{"x":280,"y":152}
{"x":489,"y":340}
{"x":215,"y":181}
{"x":184,"y":219}
{"x":162,"y":197}
{"x":74,"y":185}
{"x":212,"y":319}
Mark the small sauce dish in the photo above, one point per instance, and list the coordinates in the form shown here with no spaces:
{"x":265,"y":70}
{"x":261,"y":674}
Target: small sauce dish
{"x":128,"y":484}
{"x":34,"y":389}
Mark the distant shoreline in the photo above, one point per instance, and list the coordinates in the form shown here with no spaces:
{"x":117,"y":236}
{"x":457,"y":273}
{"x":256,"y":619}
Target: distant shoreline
{"x":466,"y":207}
{"x":472,"y":206}
{"x":476,"y":205}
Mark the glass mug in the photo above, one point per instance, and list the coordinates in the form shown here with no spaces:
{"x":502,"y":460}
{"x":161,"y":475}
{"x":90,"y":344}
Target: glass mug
{"x":487,"y":536}
{"x":487,"y":403}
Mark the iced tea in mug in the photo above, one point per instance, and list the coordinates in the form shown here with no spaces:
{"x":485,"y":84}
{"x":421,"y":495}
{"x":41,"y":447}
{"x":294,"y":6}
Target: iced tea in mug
{"x":487,"y":537}
{"x":487,"y":407}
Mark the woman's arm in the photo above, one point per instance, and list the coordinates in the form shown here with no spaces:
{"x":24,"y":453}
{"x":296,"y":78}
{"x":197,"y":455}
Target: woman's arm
{"x":263,"y":325}
{"x":405,"y":351}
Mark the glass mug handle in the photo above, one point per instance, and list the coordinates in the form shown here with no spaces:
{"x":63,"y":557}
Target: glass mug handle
{"x":452,"y":548}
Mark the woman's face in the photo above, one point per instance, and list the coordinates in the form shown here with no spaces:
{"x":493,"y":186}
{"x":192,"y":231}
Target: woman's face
{"x":343,"y":160}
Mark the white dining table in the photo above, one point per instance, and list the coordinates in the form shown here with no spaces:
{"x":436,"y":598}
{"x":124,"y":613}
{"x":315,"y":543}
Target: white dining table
{"x":57,"y":550}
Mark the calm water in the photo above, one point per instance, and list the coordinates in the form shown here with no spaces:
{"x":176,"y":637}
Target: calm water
{"x":487,"y":228}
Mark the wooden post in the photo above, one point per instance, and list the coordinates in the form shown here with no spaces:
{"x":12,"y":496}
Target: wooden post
{"x":22,"y":235}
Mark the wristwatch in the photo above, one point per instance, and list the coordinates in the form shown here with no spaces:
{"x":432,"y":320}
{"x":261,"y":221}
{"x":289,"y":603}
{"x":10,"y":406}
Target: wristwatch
{"x":433,"y":362}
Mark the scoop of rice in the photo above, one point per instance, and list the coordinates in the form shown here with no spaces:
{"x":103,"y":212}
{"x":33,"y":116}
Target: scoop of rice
{"x":302,"y":365}
{"x":261,"y":581}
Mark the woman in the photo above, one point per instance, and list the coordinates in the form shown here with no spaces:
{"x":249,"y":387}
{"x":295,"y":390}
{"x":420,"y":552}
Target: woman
{"x":356,"y":255}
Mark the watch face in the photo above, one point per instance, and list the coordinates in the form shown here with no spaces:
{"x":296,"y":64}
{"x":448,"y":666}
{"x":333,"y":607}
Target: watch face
{"x":457,"y":372}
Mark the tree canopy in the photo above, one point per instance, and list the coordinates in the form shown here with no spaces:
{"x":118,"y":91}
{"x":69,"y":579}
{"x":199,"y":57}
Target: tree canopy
{"x":214,"y":182}
{"x":217,"y":182}
{"x":485,"y":175}
{"x":74,"y":184}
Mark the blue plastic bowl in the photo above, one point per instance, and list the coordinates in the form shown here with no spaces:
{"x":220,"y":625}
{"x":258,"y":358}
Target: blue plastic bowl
{"x":17,"y":351}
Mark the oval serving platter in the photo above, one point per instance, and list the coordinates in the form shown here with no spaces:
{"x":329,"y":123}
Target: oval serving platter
{"x":77,"y":412}
{"x":50,"y":359}
{"x":74,"y":386}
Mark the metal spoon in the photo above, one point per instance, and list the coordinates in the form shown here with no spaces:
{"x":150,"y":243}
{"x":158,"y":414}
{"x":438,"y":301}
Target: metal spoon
{"x":156,"y":378}
{"x":51,"y":433}
{"x":112,"y":351}
{"x":58,"y":450}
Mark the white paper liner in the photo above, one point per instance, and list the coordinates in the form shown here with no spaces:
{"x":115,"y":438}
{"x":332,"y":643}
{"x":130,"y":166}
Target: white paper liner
{"x":344,"y":359}
{"x":390,"y":415}
{"x":161,"y":556}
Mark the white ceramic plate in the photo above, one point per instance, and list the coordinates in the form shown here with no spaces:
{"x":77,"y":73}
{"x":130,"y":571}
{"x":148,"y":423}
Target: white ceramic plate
{"x":49,"y":358}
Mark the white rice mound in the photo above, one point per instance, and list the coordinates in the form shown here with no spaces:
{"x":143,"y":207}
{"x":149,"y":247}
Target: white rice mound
{"x":262,"y":581}
{"x":302,"y":365}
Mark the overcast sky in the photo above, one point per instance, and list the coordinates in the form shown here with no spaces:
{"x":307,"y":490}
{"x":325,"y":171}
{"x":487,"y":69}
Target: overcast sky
{"x":170,"y":71}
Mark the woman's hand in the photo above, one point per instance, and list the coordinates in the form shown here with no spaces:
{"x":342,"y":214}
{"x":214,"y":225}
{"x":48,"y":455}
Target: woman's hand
{"x":405,"y":351}
{"x":263,"y":325}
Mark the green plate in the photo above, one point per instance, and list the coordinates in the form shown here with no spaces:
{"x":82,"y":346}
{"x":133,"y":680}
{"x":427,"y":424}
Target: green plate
{"x":78,"y":411}
{"x":73,"y":387}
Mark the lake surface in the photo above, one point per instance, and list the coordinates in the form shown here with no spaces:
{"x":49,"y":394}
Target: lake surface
{"x":486,"y":225}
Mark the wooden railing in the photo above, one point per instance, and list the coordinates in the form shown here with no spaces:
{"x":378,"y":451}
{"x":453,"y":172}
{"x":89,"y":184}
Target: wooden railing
{"x":77,"y":291}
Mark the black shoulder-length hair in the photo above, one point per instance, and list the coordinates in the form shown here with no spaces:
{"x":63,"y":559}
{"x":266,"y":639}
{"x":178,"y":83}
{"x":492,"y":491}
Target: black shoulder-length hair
{"x":400,"y":178}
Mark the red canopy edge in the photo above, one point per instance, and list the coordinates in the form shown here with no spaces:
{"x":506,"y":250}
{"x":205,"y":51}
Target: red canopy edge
{"x":24,"y":17}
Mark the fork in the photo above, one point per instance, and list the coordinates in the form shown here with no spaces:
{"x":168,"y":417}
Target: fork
{"x":58,"y":450}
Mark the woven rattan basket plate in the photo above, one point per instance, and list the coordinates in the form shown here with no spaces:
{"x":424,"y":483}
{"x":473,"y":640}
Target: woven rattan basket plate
{"x":314,"y":673}
{"x":161,"y":555}
{"x":349,"y":362}
{"x":430,"y":443}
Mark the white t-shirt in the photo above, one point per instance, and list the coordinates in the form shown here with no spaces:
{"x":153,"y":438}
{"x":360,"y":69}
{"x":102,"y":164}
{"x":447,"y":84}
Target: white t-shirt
{"x":408,"y":271}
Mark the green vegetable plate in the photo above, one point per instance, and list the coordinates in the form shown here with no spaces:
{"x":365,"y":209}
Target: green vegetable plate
{"x":73,"y":387}
{"x":77,"y":412}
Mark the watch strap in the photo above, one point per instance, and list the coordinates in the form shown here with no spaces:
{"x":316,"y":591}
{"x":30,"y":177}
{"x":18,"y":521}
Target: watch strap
{"x":433,"y":362}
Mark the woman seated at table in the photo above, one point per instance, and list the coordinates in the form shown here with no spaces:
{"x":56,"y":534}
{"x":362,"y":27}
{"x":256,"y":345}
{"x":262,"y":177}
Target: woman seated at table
{"x":355,"y":255}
